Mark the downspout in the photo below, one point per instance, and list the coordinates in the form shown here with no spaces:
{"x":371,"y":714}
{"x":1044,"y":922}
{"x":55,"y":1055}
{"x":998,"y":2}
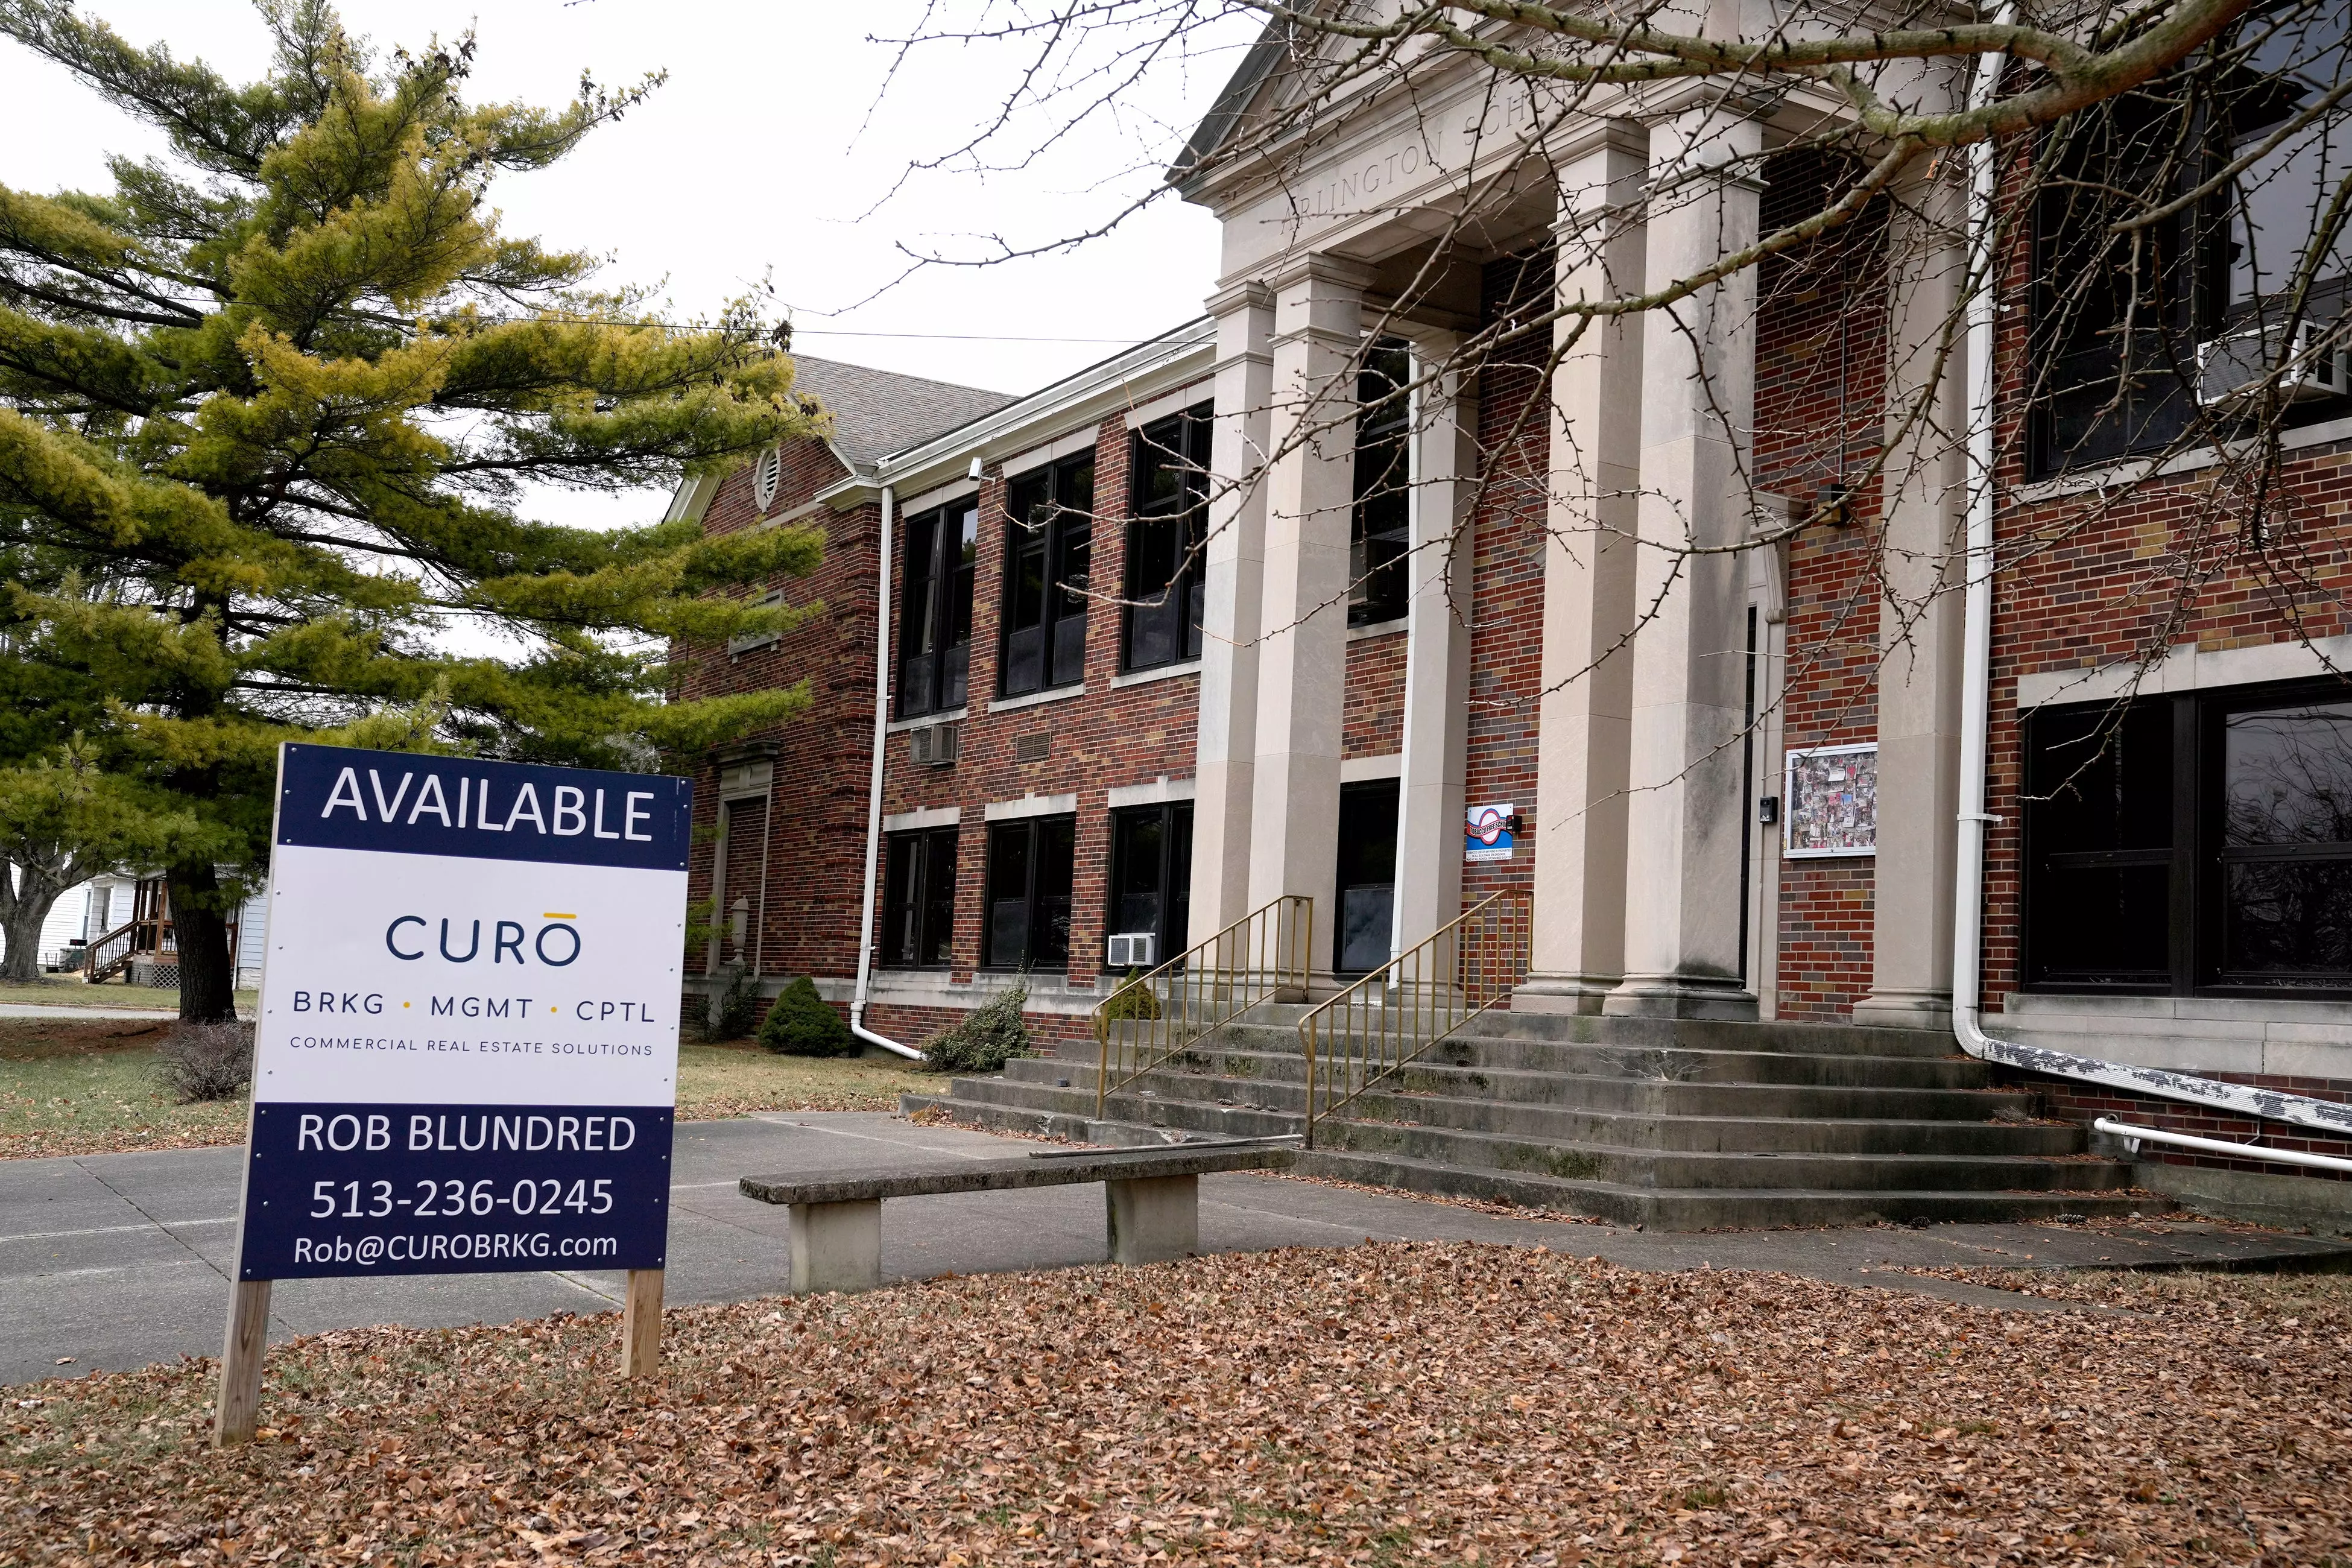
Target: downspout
{"x":1975,"y":690}
{"x":874,"y":792}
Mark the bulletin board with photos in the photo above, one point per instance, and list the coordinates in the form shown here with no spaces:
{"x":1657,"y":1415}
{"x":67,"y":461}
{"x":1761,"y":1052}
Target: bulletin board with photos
{"x":1830,"y":798}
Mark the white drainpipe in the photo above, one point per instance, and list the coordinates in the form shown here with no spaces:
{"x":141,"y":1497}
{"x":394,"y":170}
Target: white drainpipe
{"x":1975,"y":684}
{"x":874,"y":790}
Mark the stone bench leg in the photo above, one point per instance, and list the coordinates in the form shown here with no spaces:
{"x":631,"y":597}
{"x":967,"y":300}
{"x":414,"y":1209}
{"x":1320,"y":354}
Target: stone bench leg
{"x":836,"y":1247}
{"x":1154,"y":1218}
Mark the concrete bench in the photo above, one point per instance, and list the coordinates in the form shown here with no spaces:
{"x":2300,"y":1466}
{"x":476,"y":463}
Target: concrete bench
{"x":1152,"y":1197}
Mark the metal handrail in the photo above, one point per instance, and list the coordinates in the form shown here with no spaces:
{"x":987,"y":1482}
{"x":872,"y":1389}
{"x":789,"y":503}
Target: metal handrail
{"x":1147,"y":1020}
{"x":1425,"y":993}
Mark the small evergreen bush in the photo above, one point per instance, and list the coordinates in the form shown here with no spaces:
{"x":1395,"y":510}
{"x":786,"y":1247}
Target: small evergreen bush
{"x":737,"y":1017}
{"x":1133,"y":999}
{"x":206,"y":1061}
{"x":802,"y":1024}
{"x":984,"y":1042}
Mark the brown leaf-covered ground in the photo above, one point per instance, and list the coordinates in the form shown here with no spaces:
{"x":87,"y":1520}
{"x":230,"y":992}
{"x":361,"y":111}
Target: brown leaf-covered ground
{"x":1383,"y":1404}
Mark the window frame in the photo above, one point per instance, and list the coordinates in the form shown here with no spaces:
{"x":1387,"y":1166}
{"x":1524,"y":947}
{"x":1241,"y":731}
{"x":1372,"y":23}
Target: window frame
{"x":1032,"y":955}
{"x":1188,"y":438}
{"x":1123,"y":819}
{"x":2195,"y":857}
{"x":2198,"y":249}
{"x":924,"y":844}
{"x":1381,"y":593}
{"x":1069,"y":526}
{"x":947,"y":576}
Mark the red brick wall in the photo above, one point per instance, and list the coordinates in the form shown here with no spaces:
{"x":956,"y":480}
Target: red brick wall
{"x":1819,"y":380}
{"x":2084,"y":1103}
{"x":814,"y":854}
{"x":1107,"y":737}
{"x":1507,"y":572}
{"x":2103,"y":576}
{"x":1372,"y":717}
{"x":913,"y":1026}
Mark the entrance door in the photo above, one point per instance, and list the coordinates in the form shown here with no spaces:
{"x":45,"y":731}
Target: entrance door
{"x":1366,"y":891}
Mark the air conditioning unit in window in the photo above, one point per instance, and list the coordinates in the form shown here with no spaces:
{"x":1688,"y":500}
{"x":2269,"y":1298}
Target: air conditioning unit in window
{"x":935,"y":745}
{"x":2241,"y":364}
{"x":1132,"y":949}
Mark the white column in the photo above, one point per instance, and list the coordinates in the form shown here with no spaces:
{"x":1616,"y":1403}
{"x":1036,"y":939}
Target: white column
{"x":1585,"y":714}
{"x":1437,"y":648}
{"x":1303,"y":647}
{"x":1682,"y":870}
{"x":1236,"y":568}
{"x":1919,"y":619}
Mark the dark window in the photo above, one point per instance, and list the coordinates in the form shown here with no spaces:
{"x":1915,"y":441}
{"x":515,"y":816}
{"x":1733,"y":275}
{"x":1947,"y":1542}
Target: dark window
{"x":935,"y":610}
{"x":1168,"y":523}
{"x":1049,"y":546}
{"x":1379,"y":530}
{"x":2192,"y":843}
{"x":919,"y":898}
{"x":2286,"y":871}
{"x":2099,"y":830}
{"x":1366,"y":881}
{"x":1029,"y":867}
{"x":1152,"y":875}
{"x":2133,"y":326}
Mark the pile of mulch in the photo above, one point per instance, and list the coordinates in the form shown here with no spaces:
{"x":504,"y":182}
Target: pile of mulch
{"x":1387,"y":1404}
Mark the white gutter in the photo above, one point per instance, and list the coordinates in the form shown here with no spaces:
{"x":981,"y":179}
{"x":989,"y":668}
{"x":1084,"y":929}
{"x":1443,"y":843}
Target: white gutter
{"x":874,"y":792}
{"x":1975,"y":690}
{"x":2133,"y":1135}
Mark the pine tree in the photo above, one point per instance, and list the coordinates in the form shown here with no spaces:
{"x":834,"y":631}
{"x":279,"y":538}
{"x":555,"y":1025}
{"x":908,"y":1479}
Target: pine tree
{"x":270,"y":412}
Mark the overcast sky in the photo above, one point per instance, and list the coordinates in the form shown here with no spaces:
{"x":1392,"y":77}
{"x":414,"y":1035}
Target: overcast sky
{"x":750,"y":163}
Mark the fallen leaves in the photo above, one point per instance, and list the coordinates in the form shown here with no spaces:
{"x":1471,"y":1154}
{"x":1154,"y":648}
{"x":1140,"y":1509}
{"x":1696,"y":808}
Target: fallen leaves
{"x":1383,"y":1404}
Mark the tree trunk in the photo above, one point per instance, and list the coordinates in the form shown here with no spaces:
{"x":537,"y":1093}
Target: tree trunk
{"x":200,"y":930}
{"x":21,"y":926}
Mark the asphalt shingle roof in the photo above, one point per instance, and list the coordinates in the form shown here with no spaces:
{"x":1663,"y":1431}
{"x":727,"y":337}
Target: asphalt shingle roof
{"x":880,"y":411}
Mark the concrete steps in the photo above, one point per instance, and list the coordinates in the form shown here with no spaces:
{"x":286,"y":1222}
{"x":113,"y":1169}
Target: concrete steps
{"x":1673,"y":1124}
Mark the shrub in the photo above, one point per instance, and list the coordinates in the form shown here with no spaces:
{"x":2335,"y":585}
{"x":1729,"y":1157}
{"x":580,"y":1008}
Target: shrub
{"x":206,"y":1061}
{"x":1133,"y":999}
{"x":800,"y":1023}
{"x":984,"y":1042}
{"x":737,"y":1017}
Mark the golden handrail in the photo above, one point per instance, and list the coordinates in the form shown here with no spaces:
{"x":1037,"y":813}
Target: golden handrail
{"x":1418,"y":997}
{"x":1149,"y":1019}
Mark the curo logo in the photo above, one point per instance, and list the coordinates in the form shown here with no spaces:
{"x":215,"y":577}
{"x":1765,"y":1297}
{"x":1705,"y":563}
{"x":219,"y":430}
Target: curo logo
{"x":557,"y":943}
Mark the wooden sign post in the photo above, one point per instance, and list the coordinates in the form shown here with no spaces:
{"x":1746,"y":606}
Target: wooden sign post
{"x":465,"y":1059}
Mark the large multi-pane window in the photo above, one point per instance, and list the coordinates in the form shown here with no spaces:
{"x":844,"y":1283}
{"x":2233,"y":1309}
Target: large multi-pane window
{"x":1049,"y":547}
{"x":1152,"y":875}
{"x":2199,"y":842}
{"x":2147,"y":328}
{"x":1379,"y":527}
{"x":935,"y":609}
{"x":1165,"y":531}
{"x":1029,"y":871}
{"x":919,"y":898}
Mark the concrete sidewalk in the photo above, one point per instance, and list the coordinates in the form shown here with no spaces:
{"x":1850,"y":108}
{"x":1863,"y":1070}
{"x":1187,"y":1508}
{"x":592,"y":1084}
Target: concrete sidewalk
{"x":118,"y":1260}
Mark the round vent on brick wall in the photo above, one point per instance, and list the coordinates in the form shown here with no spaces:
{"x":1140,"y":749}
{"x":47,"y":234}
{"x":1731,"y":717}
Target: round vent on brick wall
{"x":765,"y":473}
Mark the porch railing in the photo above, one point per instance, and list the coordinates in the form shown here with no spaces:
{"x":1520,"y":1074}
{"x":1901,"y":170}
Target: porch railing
{"x":1149,"y":1020}
{"x":1425,"y":993}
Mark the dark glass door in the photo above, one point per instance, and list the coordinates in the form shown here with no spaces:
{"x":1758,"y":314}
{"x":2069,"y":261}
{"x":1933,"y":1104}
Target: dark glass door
{"x":1367,"y":888}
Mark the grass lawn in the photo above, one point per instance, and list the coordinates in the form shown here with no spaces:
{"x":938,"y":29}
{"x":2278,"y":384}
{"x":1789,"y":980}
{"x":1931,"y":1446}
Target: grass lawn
{"x":64,"y":990}
{"x":1381,"y":1406}
{"x":71,"y":1085}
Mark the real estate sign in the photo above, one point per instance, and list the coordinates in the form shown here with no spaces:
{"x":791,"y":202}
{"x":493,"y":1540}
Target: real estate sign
{"x":467,"y":1053}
